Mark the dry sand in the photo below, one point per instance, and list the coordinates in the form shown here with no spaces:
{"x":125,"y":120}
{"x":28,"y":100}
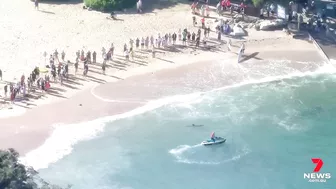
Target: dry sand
{"x":27,"y":33}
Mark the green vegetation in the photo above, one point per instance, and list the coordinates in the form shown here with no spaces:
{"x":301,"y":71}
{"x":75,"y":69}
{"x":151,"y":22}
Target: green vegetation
{"x":14,"y":175}
{"x":257,"y":3}
{"x":108,"y":5}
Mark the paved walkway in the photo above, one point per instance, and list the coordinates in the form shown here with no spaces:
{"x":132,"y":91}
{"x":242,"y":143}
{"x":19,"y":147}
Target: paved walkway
{"x":328,"y":44}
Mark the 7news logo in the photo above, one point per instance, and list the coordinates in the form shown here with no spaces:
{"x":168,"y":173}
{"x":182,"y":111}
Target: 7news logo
{"x":316,"y":176}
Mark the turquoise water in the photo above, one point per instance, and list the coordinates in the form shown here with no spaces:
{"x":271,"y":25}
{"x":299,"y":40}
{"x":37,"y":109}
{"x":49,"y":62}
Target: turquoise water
{"x":273,"y":130}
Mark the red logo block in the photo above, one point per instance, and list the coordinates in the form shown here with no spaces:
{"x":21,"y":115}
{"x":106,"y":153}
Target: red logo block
{"x":319,"y":164}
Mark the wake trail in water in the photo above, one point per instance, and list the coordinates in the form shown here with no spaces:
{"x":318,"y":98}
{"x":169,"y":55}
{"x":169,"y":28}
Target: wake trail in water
{"x":179,"y":151}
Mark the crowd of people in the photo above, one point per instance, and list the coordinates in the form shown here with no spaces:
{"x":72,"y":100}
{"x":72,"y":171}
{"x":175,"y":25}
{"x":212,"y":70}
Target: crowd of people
{"x":58,"y":67}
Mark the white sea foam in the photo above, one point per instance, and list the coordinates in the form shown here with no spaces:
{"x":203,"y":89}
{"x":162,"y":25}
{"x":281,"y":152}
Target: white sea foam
{"x":178,"y":154}
{"x":61,"y":141}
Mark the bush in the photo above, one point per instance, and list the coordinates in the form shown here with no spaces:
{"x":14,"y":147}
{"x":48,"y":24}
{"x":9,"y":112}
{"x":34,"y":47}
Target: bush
{"x":109,"y":5}
{"x":14,"y":175}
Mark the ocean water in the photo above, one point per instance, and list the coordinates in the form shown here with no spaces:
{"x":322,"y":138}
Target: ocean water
{"x":274,"y":124}
{"x":273,"y":129}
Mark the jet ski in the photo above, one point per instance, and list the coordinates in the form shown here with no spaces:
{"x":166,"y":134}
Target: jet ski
{"x":215,"y":140}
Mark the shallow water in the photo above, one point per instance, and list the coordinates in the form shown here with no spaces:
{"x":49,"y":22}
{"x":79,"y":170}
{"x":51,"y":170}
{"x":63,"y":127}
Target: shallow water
{"x":273,"y":129}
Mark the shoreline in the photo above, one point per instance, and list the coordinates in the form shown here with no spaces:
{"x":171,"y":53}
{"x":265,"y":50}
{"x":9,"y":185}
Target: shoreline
{"x":34,"y":134}
{"x":108,"y":109}
{"x":145,"y":79}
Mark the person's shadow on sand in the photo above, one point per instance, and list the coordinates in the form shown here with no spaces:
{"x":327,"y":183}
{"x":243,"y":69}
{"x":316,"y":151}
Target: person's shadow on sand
{"x":253,"y":55}
{"x":114,"y":18}
{"x":47,"y":12}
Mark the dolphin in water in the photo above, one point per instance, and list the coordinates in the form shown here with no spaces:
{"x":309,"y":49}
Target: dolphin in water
{"x":194,"y":125}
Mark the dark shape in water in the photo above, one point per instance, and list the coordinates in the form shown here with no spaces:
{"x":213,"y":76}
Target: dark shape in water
{"x":194,"y":125}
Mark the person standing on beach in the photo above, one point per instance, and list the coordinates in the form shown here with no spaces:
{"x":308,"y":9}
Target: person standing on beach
{"x":243,"y":48}
{"x":132,"y":52}
{"x":78,"y":54}
{"x":88,"y":56}
{"x":6,"y":90}
{"x":152,"y":40}
{"x":112,"y":50}
{"x":94,"y":57}
{"x":139,"y":6}
{"x":76,"y":66}
{"x":131,"y":43}
{"x":36,"y":4}
{"x":174,"y":38}
{"x":153,"y":51}
{"x":56,"y":55}
{"x":51,"y":60}
{"x":159,"y":42}
{"x":203,"y":22}
{"x":156,"y":43}
{"x":126,"y":55}
{"x":142,"y":43}
{"x":170,"y":38}
{"x":125,"y":47}
{"x":82,"y":55}
{"x":163,"y":42}
{"x":194,"y":21}
{"x":229,"y":45}
{"x":86,"y":68}
{"x":198,"y":39}
{"x":63,"y":55}
{"x":179,"y":34}
{"x":137,"y":42}
{"x":147,"y":42}
{"x":104,"y":68}
{"x":45,"y":57}
{"x":103,"y":52}
{"x":241,"y":52}
{"x":184,"y":37}
{"x":159,"y":37}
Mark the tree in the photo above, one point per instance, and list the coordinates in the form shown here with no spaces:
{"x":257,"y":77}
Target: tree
{"x":257,"y":3}
{"x":14,"y":175}
{"x":107,"y":5}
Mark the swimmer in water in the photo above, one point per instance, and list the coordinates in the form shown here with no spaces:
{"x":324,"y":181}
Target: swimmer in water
{"x":197,"y":125}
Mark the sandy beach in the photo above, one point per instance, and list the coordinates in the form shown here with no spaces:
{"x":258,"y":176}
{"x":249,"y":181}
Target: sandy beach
{"x":27,"y":33}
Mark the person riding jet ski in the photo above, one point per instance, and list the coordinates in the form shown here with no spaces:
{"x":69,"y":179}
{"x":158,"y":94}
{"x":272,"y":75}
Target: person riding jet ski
{"x":213,"y":136}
